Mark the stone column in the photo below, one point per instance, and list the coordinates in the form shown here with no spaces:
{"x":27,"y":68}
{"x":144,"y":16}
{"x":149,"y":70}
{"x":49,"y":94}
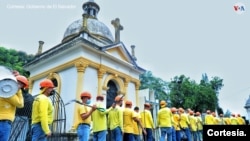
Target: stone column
{"x":126,"y":81}
{"x":137,"y":86}
{"x":101,"y":72}
{"x":81,"y":67}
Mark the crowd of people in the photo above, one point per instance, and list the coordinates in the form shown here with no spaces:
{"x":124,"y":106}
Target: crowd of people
{"x":128,"y":123}
{"x":174,"y":124}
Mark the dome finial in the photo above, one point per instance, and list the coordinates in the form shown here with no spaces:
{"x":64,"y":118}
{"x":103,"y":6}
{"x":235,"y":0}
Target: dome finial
{"x":91,"y":8}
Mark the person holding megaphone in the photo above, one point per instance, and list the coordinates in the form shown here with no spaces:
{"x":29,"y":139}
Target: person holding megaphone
{"x":8,"y":107}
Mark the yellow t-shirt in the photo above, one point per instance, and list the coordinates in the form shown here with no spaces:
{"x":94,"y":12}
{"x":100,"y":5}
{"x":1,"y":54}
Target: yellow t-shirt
{"x":184,"y":121}
{"x":115,"y":118}
{"x":209,"y":119}
{"x":147,"y":120}
{"x":82,"y":109}
{"x":99,"y":119}
{"x":8,"y":106}
{"x":42,"y":111}
{"x":128,"y":115}
{"x":199,"y":123}
{"x":241,"y":121}
{"x":164,"y":117}
{"x":176,"y":119}
{"x":234,"y":121}
{"x":227,"y":121}
{"x":193,"y":123}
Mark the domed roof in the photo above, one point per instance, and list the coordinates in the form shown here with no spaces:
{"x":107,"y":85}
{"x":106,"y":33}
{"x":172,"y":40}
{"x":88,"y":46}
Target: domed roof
{"x":94,"y":27}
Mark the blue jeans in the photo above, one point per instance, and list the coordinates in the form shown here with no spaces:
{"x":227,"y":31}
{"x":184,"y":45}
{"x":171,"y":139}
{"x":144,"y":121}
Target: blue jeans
{"x":128,"y":137}
{"x":137,"y":138}
{"x":199,"y":135}
{"x":149,"y":136}
{"x":173,"y":134}
{"x":178,"y":135}
{"x":188,"y":134}
{"x":99,"y":136}
{"x":5,"y":129}
{"x":37,"y":133}
{"x":194,"y":135}
{"x":166,"y":131}
{"x":83,"y":131}
{"x":116,"y":134}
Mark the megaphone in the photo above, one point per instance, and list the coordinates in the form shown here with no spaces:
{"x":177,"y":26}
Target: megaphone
{"x":8,"y":83}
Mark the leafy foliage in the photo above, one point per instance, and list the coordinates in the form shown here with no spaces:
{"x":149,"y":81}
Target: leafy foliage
{"x":154,"y":83}
{"x":14,"y":59}
{"x":184,"y":92}
{"x":187,"y":93}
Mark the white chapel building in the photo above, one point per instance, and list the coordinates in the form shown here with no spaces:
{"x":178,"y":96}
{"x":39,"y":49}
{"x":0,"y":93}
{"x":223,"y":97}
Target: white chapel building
{"x":87,"y":59}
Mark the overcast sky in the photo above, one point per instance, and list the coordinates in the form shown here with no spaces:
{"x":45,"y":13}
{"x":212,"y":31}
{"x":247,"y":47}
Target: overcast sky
{"x":174,"y":37}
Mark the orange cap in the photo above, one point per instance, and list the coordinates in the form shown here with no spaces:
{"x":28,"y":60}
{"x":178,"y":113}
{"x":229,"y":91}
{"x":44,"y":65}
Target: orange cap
{"x":163,"y":103}
{"x":128,"y":102}
{"x":46,"y":83}
{"x":23,"y":79}
{"x":197,"y":113}
{"x":181,"y":110}
{"x":191,"y":112}
{"x":86,"y":94}
{"x":100,"y":97}
{"x":173,"y":109}
{"x":147,"y":105}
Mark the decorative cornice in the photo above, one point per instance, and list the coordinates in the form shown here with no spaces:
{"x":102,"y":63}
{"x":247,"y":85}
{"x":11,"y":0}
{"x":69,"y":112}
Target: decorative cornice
{"x":137,"y":85}
{"x":81,"y":61}
{"x":81,"y":65}
{"x":126,"y":81}
{"x":101,"y":72}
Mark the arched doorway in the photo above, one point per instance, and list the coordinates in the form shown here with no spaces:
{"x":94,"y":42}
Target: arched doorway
{"x":111,"y":93}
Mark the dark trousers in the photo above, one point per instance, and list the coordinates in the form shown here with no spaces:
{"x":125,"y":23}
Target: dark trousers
{"x":149,"y":136}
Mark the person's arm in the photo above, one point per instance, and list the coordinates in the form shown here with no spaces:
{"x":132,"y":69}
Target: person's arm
{"x":86,"y":113}
{"x":106,"y":111}
{"x":17,"y":99}
{"x":140,"y":124}
{"x":151,"y":120}
{"x":43,"y":113}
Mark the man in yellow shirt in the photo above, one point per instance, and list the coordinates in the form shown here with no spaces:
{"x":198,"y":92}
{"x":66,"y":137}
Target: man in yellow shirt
{"x":115,"y":119}
{"x":99,"y":119}
{"x":233,"y":119}
{"x":164,"y":121}
{"x":185,"y":123}
{"x":84,"y":117}
{"x":209,"y":119}
{"x":147,"y":122}
{"x":176,"y":134}
{"x":128,"y":117}
{"x":42,"y":112}
{"x":199,"y":126}
{"x":8,"y":108}
{"x":193,"y":126}
{"x":241,"y":121}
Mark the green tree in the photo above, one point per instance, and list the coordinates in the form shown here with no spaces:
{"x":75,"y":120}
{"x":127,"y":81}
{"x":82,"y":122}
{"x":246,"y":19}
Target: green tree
{"x":14,"y":59}
{"x":156,"y":84}
{"x":187,"y":93}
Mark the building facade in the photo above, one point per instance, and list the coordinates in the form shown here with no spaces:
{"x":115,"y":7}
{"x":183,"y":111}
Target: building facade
{"x":87,"y":59}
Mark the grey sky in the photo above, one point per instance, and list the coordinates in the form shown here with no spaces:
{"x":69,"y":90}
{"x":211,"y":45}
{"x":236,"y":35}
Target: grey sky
{"x":171,"y":37}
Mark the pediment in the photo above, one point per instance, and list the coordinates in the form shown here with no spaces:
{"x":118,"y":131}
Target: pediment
{"x":120,"y":52}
